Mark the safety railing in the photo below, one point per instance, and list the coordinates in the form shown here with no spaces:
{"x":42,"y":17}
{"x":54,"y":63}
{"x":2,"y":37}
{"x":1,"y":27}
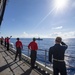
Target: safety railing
{"x":42,"y":57}
{"x":26,"y":56}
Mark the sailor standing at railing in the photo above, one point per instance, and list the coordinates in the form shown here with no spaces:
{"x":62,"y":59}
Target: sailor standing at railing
{"x":7,"y":42}
{"x":2,"y":39}
{"x":33,"y":47}
{"x":56,"y":53}
{"x":19,"y":47}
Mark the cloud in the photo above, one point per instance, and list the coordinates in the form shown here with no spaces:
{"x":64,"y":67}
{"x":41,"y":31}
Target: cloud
{"x":70,"y":34}
{"x":28,"y":35}
{"x":60,"y":27}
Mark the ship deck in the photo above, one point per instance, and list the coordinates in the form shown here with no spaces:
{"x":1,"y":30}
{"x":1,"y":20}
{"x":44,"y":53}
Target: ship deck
{"x":10,"y":67}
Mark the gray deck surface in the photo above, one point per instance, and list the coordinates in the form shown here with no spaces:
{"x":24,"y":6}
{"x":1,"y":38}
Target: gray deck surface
{"x":10,"y":67}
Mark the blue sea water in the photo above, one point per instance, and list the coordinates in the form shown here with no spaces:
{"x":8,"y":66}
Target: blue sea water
{"x":45,"y":44}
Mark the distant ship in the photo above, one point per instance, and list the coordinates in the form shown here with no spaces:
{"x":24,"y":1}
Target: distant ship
{"x":39,"y":38}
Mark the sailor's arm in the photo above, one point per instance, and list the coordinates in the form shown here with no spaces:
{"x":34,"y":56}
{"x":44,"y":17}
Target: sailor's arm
{"x":50,"y":55}
{"x":64,"y":44}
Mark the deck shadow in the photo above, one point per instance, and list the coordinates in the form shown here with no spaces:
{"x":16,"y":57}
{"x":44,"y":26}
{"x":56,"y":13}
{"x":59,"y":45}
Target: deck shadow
{"x":27,"y":72}
{"x":6,"y":66}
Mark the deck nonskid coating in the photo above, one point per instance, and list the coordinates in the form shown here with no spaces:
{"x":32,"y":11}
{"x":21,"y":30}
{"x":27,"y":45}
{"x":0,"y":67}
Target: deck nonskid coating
{"x":9,"y":67}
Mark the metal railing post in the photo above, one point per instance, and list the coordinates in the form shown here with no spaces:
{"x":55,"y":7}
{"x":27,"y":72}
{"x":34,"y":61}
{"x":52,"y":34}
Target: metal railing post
{"x":28,"y":52}
{"x":45,"y":57}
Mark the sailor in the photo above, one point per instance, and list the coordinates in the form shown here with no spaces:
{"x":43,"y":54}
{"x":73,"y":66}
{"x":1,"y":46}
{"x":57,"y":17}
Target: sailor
{"x":2,"y":40}
{"x":7,"y":42}
{"x":56,"y":53}
{"x":33,"y":47}
{"x":19,"y":47}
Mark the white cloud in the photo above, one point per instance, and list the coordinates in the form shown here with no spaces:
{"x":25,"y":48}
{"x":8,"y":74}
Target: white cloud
{"x":70,"y":34}
{"x":27,"y":35}
{"x":60,"y":27}
{"x":63,"y":34}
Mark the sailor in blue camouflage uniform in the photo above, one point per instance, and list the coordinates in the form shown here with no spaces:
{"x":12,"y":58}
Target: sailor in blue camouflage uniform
{"x":56,"y":55}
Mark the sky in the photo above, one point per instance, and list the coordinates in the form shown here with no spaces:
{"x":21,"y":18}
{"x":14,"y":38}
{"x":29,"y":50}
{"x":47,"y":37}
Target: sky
{"x":39,"y":18}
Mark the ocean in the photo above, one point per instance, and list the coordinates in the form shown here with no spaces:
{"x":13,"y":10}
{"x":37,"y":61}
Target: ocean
{"x":44,"y":46}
